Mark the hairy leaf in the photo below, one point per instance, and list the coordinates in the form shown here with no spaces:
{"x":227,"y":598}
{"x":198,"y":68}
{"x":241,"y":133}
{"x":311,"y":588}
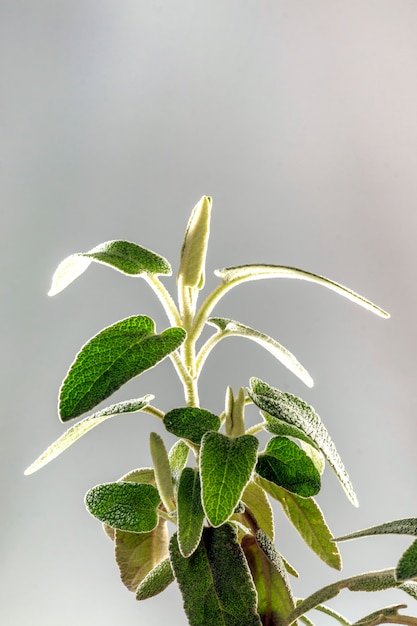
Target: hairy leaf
{"x":194,"y":247}
{"x":407,"y":565}
{"x":156,"y":581}
{"x":178,"y":456}
{"x":293,"y":410}
{"x":111,"y":358}
{"x":226,"y":467}
{"x":84,"y":426}
{"x":191,"y":422}
{"x":211,"y":594}
{"x":163,"y":475}
{"x":406,"y":526}
{"x":190,"y":511}
{"x":257,"y":506}
{"x":378,"y":617}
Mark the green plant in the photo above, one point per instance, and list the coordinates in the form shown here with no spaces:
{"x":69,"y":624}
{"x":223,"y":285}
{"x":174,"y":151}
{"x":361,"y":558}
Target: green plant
{"x":214,"y":484}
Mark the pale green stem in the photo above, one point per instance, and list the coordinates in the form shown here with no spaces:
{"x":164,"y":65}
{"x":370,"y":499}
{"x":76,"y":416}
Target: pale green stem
{"x":206,"y":349}
{"x":152,"y":410}
{"x":207,"y":307}
{"x":257,"y":428}
{"x":165,"y":299}
{"x":189,"y":382}
{"x":167,"y":516}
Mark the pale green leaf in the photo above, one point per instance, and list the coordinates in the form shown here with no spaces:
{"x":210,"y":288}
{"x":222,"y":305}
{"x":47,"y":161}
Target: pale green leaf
{"x":162,"y":468}
{"x":190,"y":422}
{"x":178,"y":457}
{"x":258,"y":508}
{"x":84,"y":426}
{"x":332,"y":613}
{"x":142,"y":475}
{"x":230,"y":328}
{"x":156,"y":581}
{"x":377,"y":617}
{"x":194,"y":247}
{"x":190,"y":511}
{"x":111,"y":358}
{"x":406,"y":526}
{"x":124,"y":256}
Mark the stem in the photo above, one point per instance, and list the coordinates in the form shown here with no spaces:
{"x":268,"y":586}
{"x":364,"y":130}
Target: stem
{"x":189,"y":382}
{"x":206,"y":349}
{"x":257,"y":428}
{"x":152,"y":410}
{"x":207,"y":307}
{"x":165,"y":299}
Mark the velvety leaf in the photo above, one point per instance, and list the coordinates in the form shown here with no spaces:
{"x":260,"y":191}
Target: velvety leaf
{"x":111,"y":358}
{"x":125,"y":256}
{"x":190,"y":422}
{"x":162,"y":468}
{"x":178,"y":457}
{"x":141,"y":475}
{"x":226,"y":468}
{"x":230,"y":328}
{"x":275,"y":600}
{"x":156,"y":581}
{"x":279,"y":427}
{"x":256,"y":500}
{"x":377,"y":617}
{"x":336,"y":616}
{"x":290,"y":409}
{"x":138,"y":554}
{"x":407,"y":565}
{"x":286,"y":465}
{"x":125,"y":505}
{"x":194,"y":247}
{"x":83,"y":427}
{"x":409,"y":587}
{"x":190,"y":511}
{"x":406,"y":526}
{"x":235,"y":275}
{"x":308,"y":520}
{"x":211,"y":594}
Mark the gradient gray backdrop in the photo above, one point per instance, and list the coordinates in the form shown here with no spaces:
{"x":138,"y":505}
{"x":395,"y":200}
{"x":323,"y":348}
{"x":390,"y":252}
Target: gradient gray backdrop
{"x":300,"y":119}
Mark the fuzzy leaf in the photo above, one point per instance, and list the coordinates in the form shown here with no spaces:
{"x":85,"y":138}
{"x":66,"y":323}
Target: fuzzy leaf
{"x":290,"y":409}
{"x":124,"y":256}
{"x":84,"y":426}
{"x":235,"y":275}
{"x":211,"y":594}
{"x":156,"y":581}
{"x":191,"y":422}
{"x":111,"y":358}
{"x":194,"y":247}
{"x":256,"y":501}
{"x":230,"y":328}
{"x":138,"y":554}
{"x":308,"y":520}
{"x":407,"y":565}
{"x":125,"y":505}
{"x":226,"y":468}
{"x":286,"y":465}
{"x":377,"y":617}
{"x":190,"y":511}
{"x":178,"y":457}
{"x":163,"y":476}
{"x":407,"y":526}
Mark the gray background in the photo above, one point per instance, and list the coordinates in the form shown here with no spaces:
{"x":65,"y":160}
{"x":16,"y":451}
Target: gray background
{"x":299,"y":118}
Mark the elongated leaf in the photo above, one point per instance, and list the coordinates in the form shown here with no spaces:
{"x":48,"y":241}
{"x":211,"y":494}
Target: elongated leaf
{"x":406,"y":526}
{"x":125,"y":505}
{"x":279,"y":427}
{"x":286,"y":465}
{"x":190,"y":511}
{"x":258,"y":507}
{"x":336,"y":616}
{"x":235,"y":275}
{"x":194,"y":248}
{"x":111,"y":358}
{"x":190,"y":422}
{"x":124,"y":256}
{"x":409,"y":587}
{"x":307,"y":518}
{"x":293,"y":410}
{"x":275,"y":600}
{"x":163,"y":476}
{"x":141,"y":475}
{"x":84,"y":426}
{"x":407,"y":565}
{"x":156,"y":581}
{"x":138,"y":554}
{"x":377,"y":617}
{"x":178,"y":456}
{"x":230,"y":328}
{"x":211,"y":594}
{"x":226,"y":467}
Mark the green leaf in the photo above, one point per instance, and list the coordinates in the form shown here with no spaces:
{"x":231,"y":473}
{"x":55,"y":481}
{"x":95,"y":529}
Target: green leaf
{"x":275,"y":600}
{"x":406,"y":526}
{"x":279,"y":427}
{"x":138,"y":554}
{"x":226,"y":467}
{"x":141,"y":475}
{"x":156,"y":581}
{"x":190,"y":511}
{"x":111,"y":358}
{"x":194,"y":247}
{"x":307,"y":518}
{"x":163,"y":476}
{"x":125,"y":505}
{"x":407,"y":565}
{"x":293,"y":410}
{"x":235,"y":275}
{"x":336,"y":616}
{"x":230,"y":328}
{"x":124,"y":256}
{"x":377,"y":617}
{"x":212,"y":596}
{"x":257,"y":506}
{"x":178,"y":457}
{"x":84,"y":426}
{"x":190,"y":422}
{"x":286,"y":465}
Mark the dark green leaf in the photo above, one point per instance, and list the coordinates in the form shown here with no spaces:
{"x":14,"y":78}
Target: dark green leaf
{"x":226,"y":467}
{"x":156,"y":581}
{"x":190,"y":511}
{"x":215,"y":582}
{"x":111,"y":358}
{"x":290,"y":409}
{"x":125,"y":505}
{"x":191,"y":422}
{"x":286,"y":465}
{"x":407,"y":565}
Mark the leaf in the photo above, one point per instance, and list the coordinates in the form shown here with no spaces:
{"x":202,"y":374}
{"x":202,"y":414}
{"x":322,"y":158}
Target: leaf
{"x":124,"y":256}
{"x":336,"y":616}
{"x":125,"y":505}
{"x":293,"y":410}
{"x":235,"y":275}
{"x":138,"y":554}
{"x":286,"y":465}
{"x":141,"y":475}
{"x":377,"y":617}
{"x":178,"y":457}
{"x":257,"y":505}
{"x":156,"y":581}
{"x":275,"y":600}
{"x":190,"y":511}
{"x":406,"y":526}
{"x":194,"y":247}
{"x":407,"y":565}
{"x":211,"y":594}
{"x":226,"y":467}
{"x":230,"y":328}
{"x":279,"y":427}
{"x":84,"y":426}
{"x":308,"y":520}
{"x":190,"y":422}
{"x":163,"y":476}
{"x":111,"y":358}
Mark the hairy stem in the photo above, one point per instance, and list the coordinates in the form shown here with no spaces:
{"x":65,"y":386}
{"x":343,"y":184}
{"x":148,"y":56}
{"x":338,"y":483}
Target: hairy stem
{"x":165,"y":299}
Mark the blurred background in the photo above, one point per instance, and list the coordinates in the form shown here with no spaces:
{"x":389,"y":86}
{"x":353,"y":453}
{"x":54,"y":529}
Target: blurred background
{"x":299,"y":118}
